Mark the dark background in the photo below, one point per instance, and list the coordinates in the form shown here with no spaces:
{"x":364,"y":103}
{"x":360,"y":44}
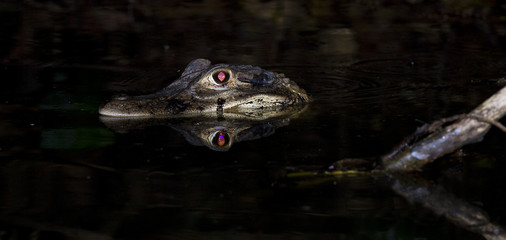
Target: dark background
{"x":376,"y":70}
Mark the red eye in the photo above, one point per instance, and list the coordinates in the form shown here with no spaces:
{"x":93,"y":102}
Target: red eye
{"x":221,"y":77}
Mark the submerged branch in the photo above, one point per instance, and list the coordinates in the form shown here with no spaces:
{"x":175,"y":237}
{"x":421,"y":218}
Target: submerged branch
{"x":428,"y":143}
{"x":470,"y":129}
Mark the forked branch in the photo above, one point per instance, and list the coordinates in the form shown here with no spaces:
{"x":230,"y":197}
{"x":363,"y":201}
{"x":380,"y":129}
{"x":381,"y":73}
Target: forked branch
{"x":439,"y":140}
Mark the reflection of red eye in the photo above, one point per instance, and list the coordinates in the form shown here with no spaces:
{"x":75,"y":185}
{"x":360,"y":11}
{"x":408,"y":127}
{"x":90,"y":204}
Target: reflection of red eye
{"x":220,"y":139}
{"x":221,"y":77}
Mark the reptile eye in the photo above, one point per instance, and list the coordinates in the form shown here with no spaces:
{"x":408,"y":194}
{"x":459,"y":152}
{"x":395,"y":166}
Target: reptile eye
{"x":220,"y":139}
{"x":220,"y":77}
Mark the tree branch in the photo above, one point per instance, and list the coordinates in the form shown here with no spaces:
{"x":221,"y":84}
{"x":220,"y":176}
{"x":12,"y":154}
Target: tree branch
{"x":470,"y":129}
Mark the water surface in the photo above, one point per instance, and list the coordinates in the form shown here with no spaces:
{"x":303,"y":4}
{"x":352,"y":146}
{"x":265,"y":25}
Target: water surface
{"x":375,"y":72}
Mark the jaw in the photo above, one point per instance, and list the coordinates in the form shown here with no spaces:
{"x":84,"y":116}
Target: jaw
{"x":285,"y":94}
{"x":266,"y":101}
{"x":142,"y":107}
{"x":259,"y":104}
{"x":227,"y":103}
{"x":114,"y":109}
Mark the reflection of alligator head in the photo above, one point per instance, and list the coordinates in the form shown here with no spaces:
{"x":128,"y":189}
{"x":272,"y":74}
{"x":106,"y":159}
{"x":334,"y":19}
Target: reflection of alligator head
{"x":217,"y":133}
{"x":204,"y":88}
{"x":220,"y":135}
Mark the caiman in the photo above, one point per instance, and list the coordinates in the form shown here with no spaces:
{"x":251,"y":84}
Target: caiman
{"x":204,"y":88}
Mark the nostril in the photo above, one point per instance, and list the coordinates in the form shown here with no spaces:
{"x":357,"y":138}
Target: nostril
{"x":121,"y":97}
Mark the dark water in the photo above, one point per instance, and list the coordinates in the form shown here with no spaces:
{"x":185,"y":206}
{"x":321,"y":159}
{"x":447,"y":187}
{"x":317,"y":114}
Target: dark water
{"x":375,"y":71}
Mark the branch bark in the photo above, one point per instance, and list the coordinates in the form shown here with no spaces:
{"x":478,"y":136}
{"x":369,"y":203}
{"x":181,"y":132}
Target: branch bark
{"x":470,"y":129}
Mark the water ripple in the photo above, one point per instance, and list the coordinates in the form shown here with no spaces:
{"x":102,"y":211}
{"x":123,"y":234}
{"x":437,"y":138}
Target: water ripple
{"x":427,"y":65}
{"x":340,"y":85}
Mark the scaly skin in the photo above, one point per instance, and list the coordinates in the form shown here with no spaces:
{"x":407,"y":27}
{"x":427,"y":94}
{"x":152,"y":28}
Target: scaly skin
{"x":205,"y":88}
